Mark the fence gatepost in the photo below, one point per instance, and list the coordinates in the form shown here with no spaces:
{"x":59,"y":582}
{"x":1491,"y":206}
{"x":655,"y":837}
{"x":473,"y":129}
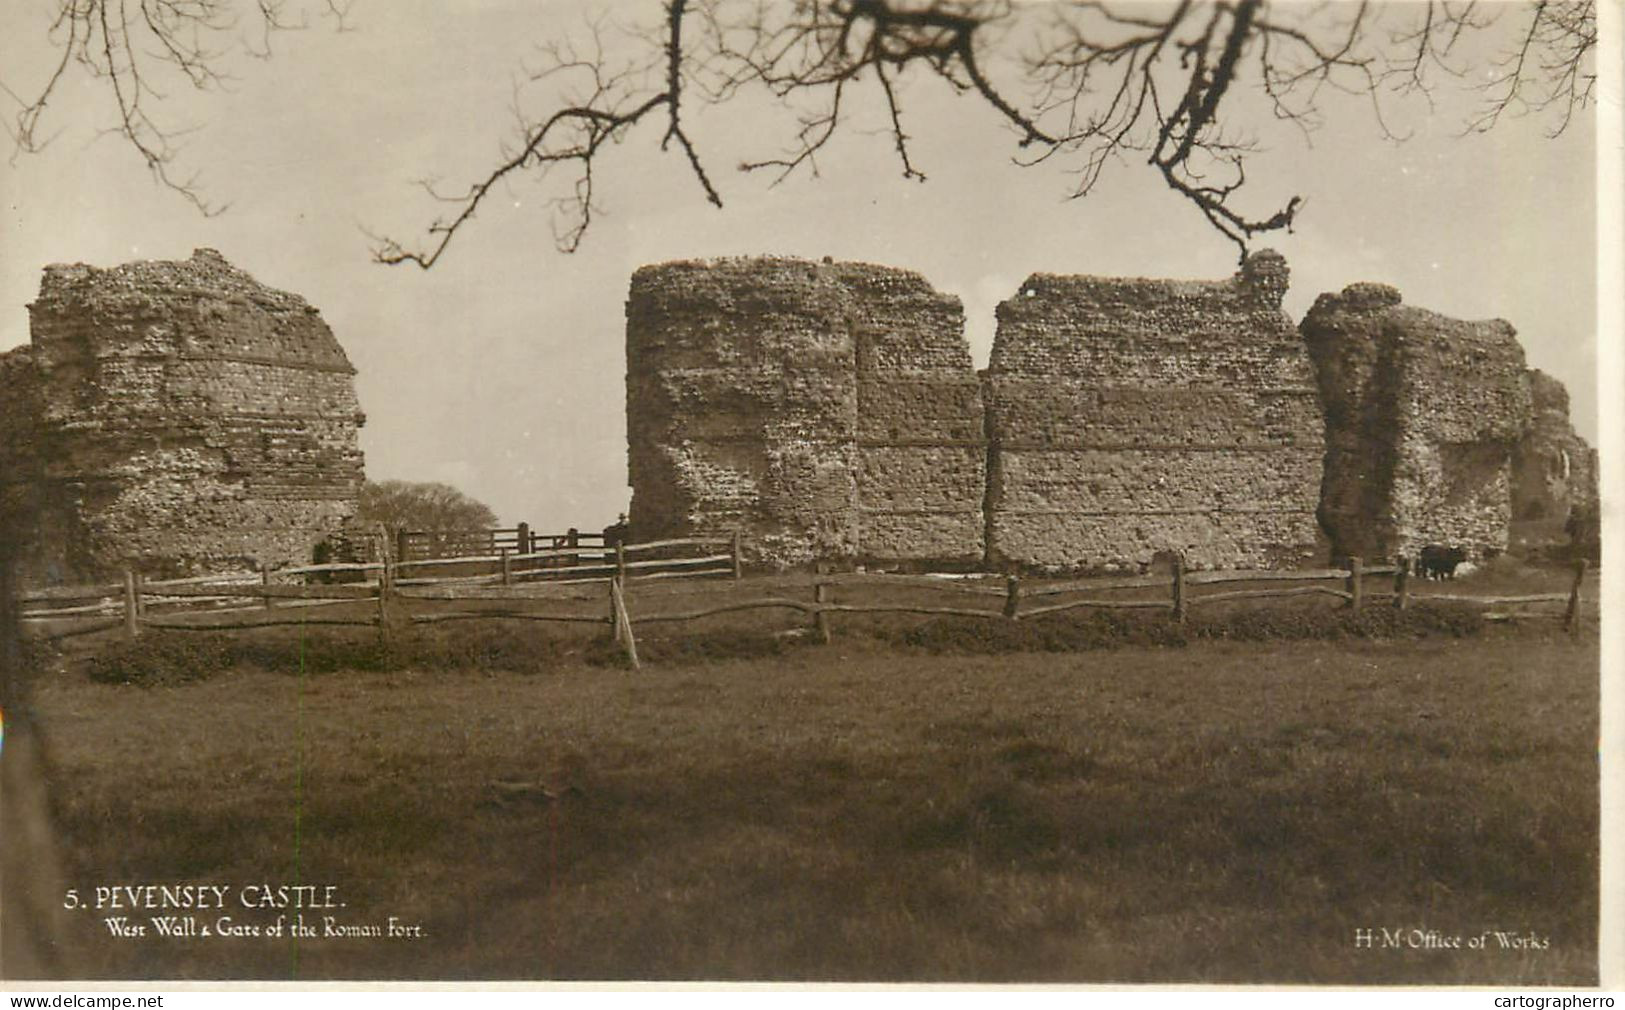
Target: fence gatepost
{"x":507,"y":568}
{"x":1354,"y":584}
{"x":1571,"y":618}
{"x":738,"y":568}
{"x":1181,"y":599}
{"x":1402,"y":583}
{"x":132,"y":626}
{"x":1012,"y":595}
{"x":521,"y":539}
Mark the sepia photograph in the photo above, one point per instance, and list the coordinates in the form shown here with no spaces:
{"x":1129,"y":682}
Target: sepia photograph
{"x":1070,"y":492}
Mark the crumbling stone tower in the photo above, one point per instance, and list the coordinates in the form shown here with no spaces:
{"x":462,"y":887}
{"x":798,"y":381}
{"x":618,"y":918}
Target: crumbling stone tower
{"x":180,"y":414}
{"x":821,"y":410}
{"x":1553,"y":469}
{"x":1131,"y":416}
{"x":1422,"y":415}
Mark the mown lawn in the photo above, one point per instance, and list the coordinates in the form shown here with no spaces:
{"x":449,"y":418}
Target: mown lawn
{"x":1218,"y":811}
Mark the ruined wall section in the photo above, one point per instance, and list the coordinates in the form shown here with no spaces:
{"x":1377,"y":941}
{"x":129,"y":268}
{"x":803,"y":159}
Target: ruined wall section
{"x":1355,"y":368}
{"x":921,"y":445}
{"x":198,"y":420}
{"x":741,"y":399}
{"x":1552,"y":471}
{"x":1423,"y":413}
{"x":821,"y":410}
{"x":1132,"y":416}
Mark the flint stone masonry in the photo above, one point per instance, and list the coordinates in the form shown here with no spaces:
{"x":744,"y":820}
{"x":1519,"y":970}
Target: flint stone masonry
{"x":1553,"y":469}
{"x":1423,"y":413}
{"x":828,"y":411}
{"x":1129,"y":416}
{"x":186,"y":416}
{"x":820,"y":410}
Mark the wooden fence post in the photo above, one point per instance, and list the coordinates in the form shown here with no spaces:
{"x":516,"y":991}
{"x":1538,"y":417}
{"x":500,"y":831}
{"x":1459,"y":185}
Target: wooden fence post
{"x":738,"y":567}
{"x":821,"y":597}
{"x":265,"y":583}
{"x":132,"y":626}
{"x":1181,"y":600}
{"x":624,"y":621}
{"x":521,"y":539}
{"x":140,"y":594}
{"x":620,"y":561}
{"x":1012,"y":595}
{"x":1571,"y":618}
{"x":1354,"y":585}
{"x":402,"y":542}
{"x":507,"y":568}
{"x":386,"y":588}
{"x":1402,"y":583}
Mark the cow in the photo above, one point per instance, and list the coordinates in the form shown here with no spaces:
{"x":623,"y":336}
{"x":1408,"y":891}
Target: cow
{"x":1438,"y":562}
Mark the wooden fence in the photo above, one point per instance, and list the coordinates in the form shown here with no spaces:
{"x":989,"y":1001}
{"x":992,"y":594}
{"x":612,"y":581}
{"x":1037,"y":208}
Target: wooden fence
{"x":135,"y":602}
{"x":174,"y":604}
{"x":422,"y":545}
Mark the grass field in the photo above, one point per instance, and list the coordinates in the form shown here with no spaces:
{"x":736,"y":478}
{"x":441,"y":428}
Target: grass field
{"x":1214,"y":811}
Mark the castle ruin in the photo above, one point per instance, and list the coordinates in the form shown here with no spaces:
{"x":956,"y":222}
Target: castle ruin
{"x":829,"y":412}
{"x":1132,"y":416}
{"x":1554,"y":471}
{"x":820,"y":410}
{"x":1423,"y":413}
{"x":183,"y":416}
{"x":178,"y":414}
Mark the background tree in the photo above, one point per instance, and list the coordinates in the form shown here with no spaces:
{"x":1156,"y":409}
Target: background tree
{"x":1087,"y":84}
{"x":422,"y":508}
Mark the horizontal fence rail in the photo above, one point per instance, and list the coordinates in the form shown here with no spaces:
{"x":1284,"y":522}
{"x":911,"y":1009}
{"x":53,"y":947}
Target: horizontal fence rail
{"x":378,"y":591}
{"x":424,"y":545}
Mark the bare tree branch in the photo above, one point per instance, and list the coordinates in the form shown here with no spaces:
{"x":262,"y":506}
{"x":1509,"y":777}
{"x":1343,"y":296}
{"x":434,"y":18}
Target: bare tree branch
{"x":129,"y":45}
{"x":614,"y":102}
{"x":1084,"y":84}
{"x":1548,"y":68}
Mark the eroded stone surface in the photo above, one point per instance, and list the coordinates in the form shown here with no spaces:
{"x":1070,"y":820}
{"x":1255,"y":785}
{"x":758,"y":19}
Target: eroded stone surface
{"x":1422,"y":415}
{"x":1131,"y":416}
{"x":184,"y":416}
{"x":821,"y":410}
{"x":1553,"y":469}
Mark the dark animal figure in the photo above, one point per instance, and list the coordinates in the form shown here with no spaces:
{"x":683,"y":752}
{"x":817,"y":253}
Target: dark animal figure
{"x":1436,"y":562}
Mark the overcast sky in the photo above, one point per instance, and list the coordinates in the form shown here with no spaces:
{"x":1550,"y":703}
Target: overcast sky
{"x":501,"y":371}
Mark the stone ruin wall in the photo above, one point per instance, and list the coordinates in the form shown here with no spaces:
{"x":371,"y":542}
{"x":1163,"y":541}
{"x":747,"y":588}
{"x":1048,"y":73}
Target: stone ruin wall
{"x":921,"y":447}
{"x":741,"y":407}
{"x":188,"y":417}
{"x":828,"y":411}
{"x":821,"y":410}
{"x":1129,"y":417}
{"x":1423,"y":413}
{"x":1554,"y":471}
